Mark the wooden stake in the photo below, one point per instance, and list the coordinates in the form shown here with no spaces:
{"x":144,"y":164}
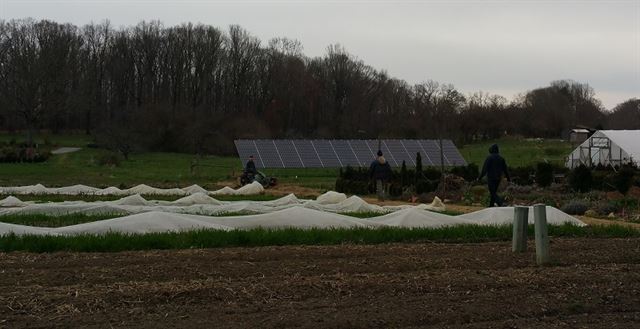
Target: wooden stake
{"x":542,"y":235}
{"x":520,"y":223}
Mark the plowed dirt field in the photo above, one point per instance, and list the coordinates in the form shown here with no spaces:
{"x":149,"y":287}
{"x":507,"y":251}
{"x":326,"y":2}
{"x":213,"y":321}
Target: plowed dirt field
{"x":593,"y":283}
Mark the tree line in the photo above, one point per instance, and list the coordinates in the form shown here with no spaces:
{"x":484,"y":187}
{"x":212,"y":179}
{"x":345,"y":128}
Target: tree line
{"x":195,"y":88}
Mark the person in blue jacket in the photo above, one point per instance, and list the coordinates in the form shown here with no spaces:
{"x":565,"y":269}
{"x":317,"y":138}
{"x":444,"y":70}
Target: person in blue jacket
{"x":380,"y":171}
{"x":494,"y":168}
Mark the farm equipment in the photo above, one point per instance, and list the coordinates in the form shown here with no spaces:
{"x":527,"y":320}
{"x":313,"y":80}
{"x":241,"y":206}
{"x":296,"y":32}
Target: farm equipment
{"x":260,"y":177}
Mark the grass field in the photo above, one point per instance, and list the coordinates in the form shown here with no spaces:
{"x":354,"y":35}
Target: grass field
{"x":156,"y":169}
{"x":174,"y":169}
{"x":520,"y":152}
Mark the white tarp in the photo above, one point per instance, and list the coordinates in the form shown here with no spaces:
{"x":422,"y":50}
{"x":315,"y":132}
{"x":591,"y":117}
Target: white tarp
{"x":12,"y":201}
{"x":199,"y":204}
{"x":504,"y":215}
{"x":249,"y":189}
{"x":289,"y":211}
{"x":331,"y":197}
{"x":150,"y":222}
{"x":414,"y":217}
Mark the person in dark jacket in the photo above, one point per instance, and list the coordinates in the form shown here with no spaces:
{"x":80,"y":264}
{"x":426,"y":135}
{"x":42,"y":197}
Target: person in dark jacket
{"x":494,"y":167}
{"x":250,"y":167}
{"x":380,"y":171}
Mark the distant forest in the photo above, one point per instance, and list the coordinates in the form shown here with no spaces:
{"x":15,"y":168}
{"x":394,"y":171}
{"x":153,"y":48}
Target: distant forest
{"x":195,"y":88}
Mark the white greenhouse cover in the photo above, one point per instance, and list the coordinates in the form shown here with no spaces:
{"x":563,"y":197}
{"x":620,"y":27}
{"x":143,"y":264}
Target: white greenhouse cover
{"x":197,"y":204}
{"x":624,"y":148}
{"x":189,"y":213}
{"x":249,"y":189}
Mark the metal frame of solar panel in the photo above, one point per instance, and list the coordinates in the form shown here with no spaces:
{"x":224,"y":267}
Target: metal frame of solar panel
{"x":335,"y":153}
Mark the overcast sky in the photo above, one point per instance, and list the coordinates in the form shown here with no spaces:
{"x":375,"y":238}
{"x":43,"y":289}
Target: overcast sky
{"x":503,"y":47}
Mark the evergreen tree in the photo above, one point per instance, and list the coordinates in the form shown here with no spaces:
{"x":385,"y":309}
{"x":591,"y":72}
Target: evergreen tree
{"x":403,"y":174}
{"x":418,"y":166}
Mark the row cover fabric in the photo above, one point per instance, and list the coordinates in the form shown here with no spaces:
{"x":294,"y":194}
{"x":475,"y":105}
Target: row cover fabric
{"x":200,"y":204}
{"x":249,"y":189}
{"x":285,"y":213}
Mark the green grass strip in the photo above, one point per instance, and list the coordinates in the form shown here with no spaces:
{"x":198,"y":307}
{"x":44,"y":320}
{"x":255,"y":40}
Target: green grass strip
{"x":115,"y":242}
{"x":46,"y":220}
{"x":43,"y":220}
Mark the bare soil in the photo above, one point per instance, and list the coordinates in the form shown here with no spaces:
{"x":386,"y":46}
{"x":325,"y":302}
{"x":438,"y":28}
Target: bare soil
{"x":593,"y":283}
{"x":301,"y":191}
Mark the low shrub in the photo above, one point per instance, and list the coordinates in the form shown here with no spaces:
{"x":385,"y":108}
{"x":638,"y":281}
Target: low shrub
{"x":522,"y":175}
{"x":576,"y":207}
{"x":469,"y":172}
{"x":580,"y":179}
{"x":544,"y":174}
{"x":8,"y":154}
{"x":623,"y":179}
{"x":426,"y":186}
{"x":350,"y":186}
{"x":395,"y":189}
{"x":607,"y":207}
{"x":12,"y":153}
{"x":602,"y":180}
{"x":431,"y":173}
{"x":519,"y":189}
{"x":478,"y":193}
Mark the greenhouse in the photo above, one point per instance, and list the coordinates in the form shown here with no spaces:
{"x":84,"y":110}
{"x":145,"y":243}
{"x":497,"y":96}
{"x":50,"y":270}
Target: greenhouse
{"x":607,"y":148}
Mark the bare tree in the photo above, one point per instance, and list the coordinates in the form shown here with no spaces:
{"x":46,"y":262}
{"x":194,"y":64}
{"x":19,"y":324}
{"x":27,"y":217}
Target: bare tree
{"x":625,"y":115}
{"x":175,"y":88}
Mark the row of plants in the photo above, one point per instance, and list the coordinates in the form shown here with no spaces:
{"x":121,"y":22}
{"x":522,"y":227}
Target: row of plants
{"x":626,"y":208}
{"x":15,"y":153}
{"x":421,"y":180}
{"x":113,"y":242}
{"x":596,"y":192}
{"x":581,"y":179}
{"x":416,"y":180}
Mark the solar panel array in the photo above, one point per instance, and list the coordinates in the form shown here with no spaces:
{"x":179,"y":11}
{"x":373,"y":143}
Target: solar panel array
{"x":334,"y":153}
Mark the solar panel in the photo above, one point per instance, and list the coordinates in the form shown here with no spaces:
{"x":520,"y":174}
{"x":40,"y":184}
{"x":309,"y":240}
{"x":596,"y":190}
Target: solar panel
{"x":334,"y":153}
{"x":454,"y":156}
{"x":247,"y":148}
{"x":413,"y":147}
{"x":345,"y":152}
{"x":432,"y":150}
{"x":268,"y":152}
{"x":397,"y":152}
{"x":327,"y":153}
{"x":364,"y":150}
{"x":308,"y":154}
{"x":288,"y":153}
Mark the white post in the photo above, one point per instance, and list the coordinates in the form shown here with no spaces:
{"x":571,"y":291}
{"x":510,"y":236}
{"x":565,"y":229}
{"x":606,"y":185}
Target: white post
{"x":542,"y":235}
{"x":520,"y":221}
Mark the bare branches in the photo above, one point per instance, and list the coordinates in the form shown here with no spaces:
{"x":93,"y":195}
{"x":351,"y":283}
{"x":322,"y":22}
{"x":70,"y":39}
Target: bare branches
{"x":192,"y":82}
